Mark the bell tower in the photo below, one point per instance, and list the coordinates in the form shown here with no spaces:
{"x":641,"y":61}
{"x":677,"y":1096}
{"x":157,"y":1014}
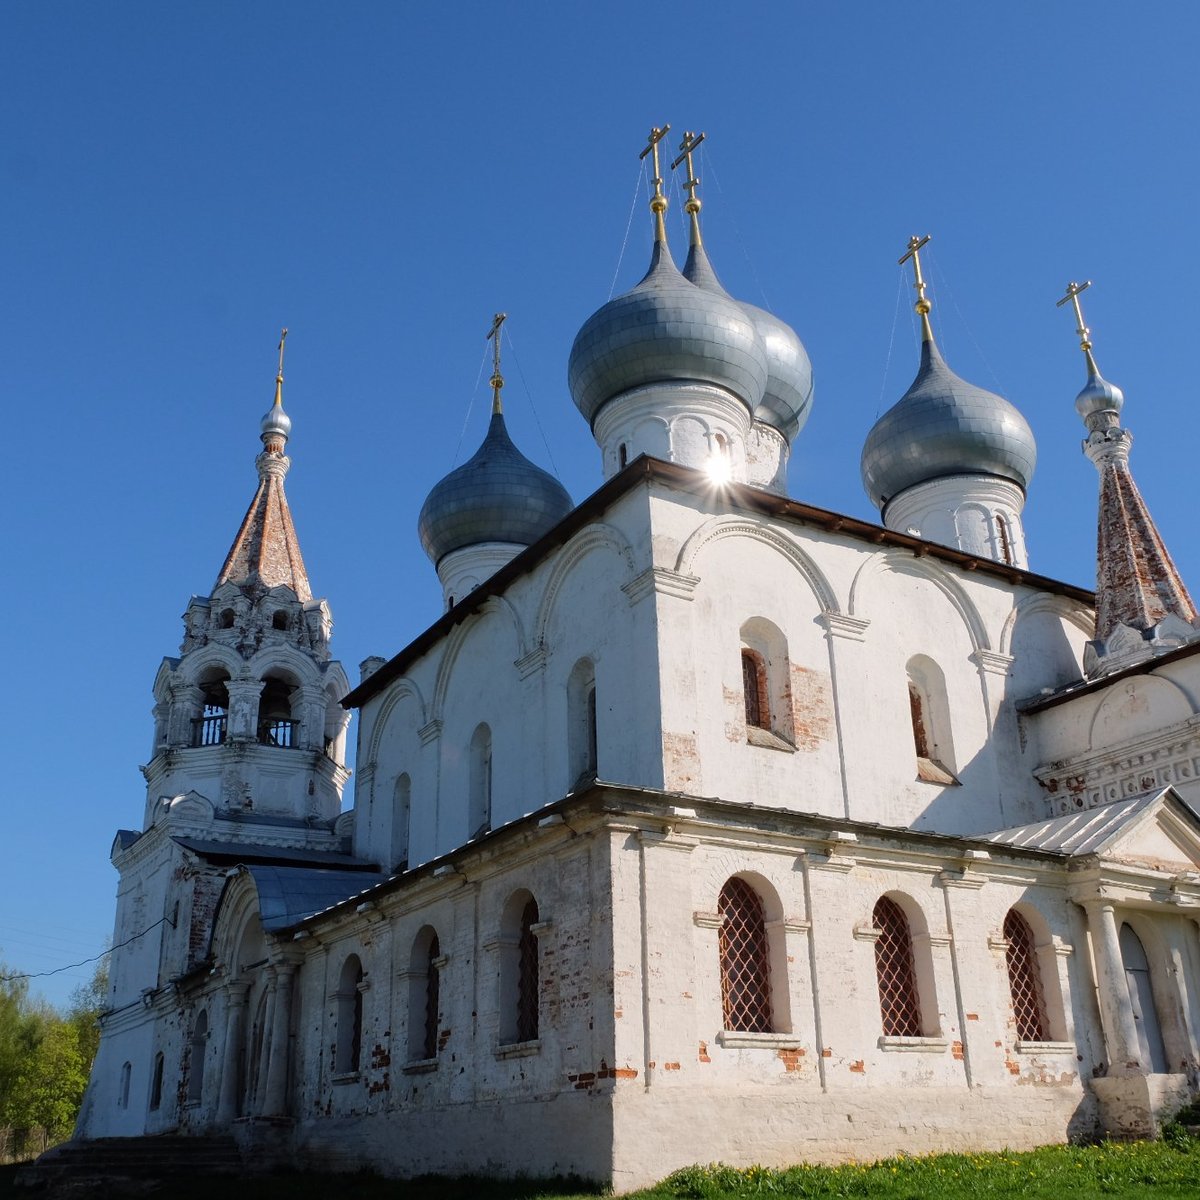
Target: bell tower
{"x":248,"y":715}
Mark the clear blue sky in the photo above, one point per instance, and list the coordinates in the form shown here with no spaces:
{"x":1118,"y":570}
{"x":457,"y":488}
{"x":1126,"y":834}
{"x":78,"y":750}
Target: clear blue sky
{"x":178,"y":181}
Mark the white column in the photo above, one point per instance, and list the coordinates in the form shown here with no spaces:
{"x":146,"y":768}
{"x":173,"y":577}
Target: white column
{"x":235,"y":1030}
{"x":274,"y":1103}
{"x":1116,"y":1011}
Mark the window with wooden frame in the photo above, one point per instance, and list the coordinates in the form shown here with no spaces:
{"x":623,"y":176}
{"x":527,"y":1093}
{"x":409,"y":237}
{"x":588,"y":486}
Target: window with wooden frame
{"x":745,"y":962}
{"x":899,"y":1002}
{"x":1024,"y":979}
{"x":527,"y":974}
{"x":766,"y":685}
{"x":929,"y":713}
{"x":754,"y":689}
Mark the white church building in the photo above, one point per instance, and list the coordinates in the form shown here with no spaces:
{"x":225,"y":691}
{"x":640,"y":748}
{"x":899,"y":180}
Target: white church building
{"x":703,"y":824}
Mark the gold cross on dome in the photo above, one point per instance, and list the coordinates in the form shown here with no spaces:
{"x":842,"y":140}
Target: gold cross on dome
{"x":688,"y":147}
{"x":1072,"y":297}
{"x":282,"y":339}
{"x":915,"y":246}
{"x":497,"y":379}
{"x":656,"y":136}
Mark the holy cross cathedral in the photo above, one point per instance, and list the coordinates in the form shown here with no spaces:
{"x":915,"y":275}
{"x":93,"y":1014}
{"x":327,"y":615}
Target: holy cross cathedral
{"x":703,"y":824}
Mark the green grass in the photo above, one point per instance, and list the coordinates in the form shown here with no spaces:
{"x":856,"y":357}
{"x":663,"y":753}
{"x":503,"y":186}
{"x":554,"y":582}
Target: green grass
{"x":1167,"y":1170}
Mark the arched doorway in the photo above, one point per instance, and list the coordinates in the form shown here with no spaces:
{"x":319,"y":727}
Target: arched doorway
{"x":1141,"y":998}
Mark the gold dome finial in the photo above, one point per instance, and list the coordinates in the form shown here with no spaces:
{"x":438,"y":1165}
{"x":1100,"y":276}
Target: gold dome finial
{"x":497,"y":379}
{"x":1085,"y":334}
{"x":658,"y":202}
{"x":923,"y":306}
{"x":279,"y":375}
{"x":689,"y":145}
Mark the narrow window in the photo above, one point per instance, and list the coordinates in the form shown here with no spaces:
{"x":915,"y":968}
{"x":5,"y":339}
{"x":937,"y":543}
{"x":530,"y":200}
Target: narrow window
{"x":401,"y":818}
{"x":622,"y":456}
{"x":745,"y":974}
{"x":126,"y":1076}
{"x":754,"y":686}
{"x":1141,"y":1000}
{"x":479,"y":815}
{"x":156,"y":1083}
{"x":199,"y":1047}
{"x":279,"y":620}
{"x":349,"y":1017}
{"x":227,"y":618}
{"x":581,"y":724}
{"x":527,"y":974}
{"x":920,"y":736}
{"x":898,"y":1002}
{"x":1004,"y":538}
{"x":432,"y":1000}
{"x":1024,"y":984}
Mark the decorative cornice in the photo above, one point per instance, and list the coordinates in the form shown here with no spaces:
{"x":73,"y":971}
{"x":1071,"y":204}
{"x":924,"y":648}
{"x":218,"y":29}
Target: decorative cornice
{"x":1127,"y":769}
{"x":992,"y":663}
{"x":662,"y":582}
{"x":430,"y":732}
{"x":534,"y":661}
{"x":853,"y":629}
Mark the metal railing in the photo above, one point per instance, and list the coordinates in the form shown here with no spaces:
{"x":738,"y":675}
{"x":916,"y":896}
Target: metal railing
{"x":210,"y":729}
{"x":278,"y":732}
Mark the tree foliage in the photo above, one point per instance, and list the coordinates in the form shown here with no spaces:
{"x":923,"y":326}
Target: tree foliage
{"x":46,"y":1056}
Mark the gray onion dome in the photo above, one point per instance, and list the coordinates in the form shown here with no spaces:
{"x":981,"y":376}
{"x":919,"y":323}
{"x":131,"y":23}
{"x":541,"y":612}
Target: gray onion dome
{"x":1098,"y":395}
{"x":944,"y":426}
{"x":276,"y":423}
{"x":498,"y":495}
{"x":787,"y":397}
{"x":666,"y":330}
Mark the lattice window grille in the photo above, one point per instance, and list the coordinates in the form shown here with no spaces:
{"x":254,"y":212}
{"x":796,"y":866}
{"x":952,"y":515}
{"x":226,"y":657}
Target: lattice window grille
{"x":899,"y":1006}
{"x":745,"y":973}
{"x":527,"y":975}
{"x":1024,"y":982}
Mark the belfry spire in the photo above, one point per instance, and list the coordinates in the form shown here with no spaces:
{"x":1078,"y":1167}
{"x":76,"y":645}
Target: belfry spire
{"x":1142,"y":605}
{"x":658,"y":202}
{"x":497,"y":380}
{"x":923,"y":305}
{"x":266,"y":552}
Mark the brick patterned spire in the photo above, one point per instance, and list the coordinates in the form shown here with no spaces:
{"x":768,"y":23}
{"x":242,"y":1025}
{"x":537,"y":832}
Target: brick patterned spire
{"x":1142,"y":605}
{"x":266,"y":551}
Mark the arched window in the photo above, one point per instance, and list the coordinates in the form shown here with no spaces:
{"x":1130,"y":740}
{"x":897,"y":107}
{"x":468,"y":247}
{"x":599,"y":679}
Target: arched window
{"x":211,"y":726}
{"x":745,"y":973}
{"x":766,"y":685}
{"x":228,"y":616}
{"x":156,"y":1083}
{"x":899,"y":1004}
{"x":424,"y":996}
{"x":1004,"y":544}
{"x":581,"y":723}
{"x":123,"y":1093}
{"x":401,"y":818}
{"x":279,"y":620}
{"x":1141,"y":999}
{"x":349,"y":1017}
{"x":1024,"y":979}
{"x":929,"y":712}
{"x":519,"y":969}
{"x":199,"y":1047}
{"x":479,"y":811}
{"x":276,"y":726}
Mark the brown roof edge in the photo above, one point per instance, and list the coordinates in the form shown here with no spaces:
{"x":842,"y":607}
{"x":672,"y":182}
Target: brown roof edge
{"x":689,"y":479}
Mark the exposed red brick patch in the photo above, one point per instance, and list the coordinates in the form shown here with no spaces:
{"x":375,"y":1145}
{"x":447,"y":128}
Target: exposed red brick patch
{"x":956,"y":1048}
{"x":827,"y":1053}
{"x":791,"y":1059}
{"x":972,"y":1016}
{"x":671,"y":1066}
{"x":859,"y":1067}
{"x":812,"y":707}
{"x":704,"y":1058}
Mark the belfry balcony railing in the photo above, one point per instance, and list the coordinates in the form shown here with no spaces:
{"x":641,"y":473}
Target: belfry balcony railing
{"x":209,"y":730}
{"x":274,"y":732}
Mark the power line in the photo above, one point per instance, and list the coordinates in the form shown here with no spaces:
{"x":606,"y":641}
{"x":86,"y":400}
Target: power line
{"x":86,"y":961}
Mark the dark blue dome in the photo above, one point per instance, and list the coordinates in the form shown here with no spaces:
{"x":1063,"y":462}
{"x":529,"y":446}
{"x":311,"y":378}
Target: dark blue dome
{"x":498,"y":495}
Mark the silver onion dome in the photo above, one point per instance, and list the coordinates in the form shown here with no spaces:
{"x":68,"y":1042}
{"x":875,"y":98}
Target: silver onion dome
{"x":666,"y":329}
{"x":498,"y":495}
{"x":944,"y":426}
{"x":276,"y":423}
{"x":787,"y":397}
{"x":1098,"y":395}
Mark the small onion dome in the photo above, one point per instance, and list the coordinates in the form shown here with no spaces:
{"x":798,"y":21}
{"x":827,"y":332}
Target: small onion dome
{"x":276,"y":423}
{"x":666,"y":330}
{"x":496,"y":496}
{"x":787,"y":398}
{"x":944,"y":426}
{"x":1098,"y":395}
